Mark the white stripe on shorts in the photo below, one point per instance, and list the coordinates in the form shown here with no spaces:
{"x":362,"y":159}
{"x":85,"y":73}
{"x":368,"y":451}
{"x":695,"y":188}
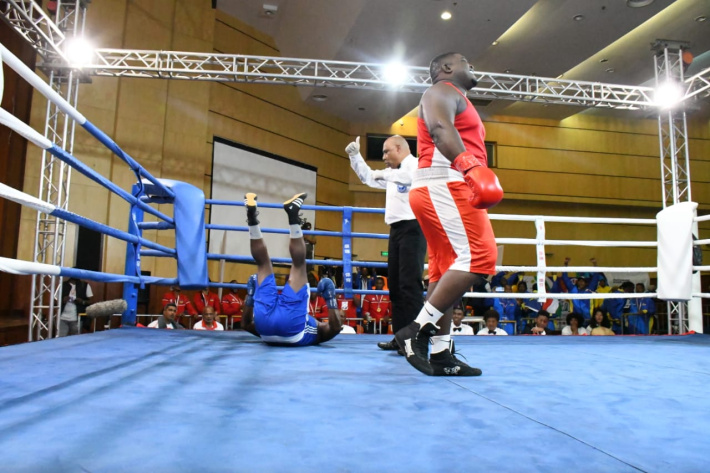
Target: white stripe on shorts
{"x":450,"y":219}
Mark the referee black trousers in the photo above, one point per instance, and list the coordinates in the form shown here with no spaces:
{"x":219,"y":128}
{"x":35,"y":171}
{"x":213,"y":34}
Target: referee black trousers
{"x":405,"y":265}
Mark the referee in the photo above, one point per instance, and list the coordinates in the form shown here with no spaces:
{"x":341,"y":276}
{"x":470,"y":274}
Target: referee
{"x":407,"y":245}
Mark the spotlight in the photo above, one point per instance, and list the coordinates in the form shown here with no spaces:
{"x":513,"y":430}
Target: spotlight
{"x":395,"y":73}
{"x":668,"y":94}
{"x":79,"y":52}
{"x":446,"y":15}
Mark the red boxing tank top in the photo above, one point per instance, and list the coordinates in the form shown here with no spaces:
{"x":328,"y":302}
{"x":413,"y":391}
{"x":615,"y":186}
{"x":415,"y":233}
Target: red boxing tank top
{"x":469,"y":126}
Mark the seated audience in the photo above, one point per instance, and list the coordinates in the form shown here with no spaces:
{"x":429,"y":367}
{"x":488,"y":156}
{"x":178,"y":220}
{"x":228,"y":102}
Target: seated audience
{"x":349,"y":308}
{"x":317,"y":307}
{"x":377,"y":309}
{"x":206,"y":298}
{"x":600,"y":324}
{"x":232,"y":306}
{"x":208,"y":321}
{"x":575,"y":324}
{"x":181,"y":302}
{"x":491,"y":317}
{"x":458,"y":328}
{"x":167,"y":320}
{"x":540,"y":326}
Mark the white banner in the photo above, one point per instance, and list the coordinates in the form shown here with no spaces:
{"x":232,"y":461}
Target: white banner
{"x":615,"y":279}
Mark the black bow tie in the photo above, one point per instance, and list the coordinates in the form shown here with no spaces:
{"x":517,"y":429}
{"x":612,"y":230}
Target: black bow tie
{"x":457,"y":329}
{"x":491,"y":332}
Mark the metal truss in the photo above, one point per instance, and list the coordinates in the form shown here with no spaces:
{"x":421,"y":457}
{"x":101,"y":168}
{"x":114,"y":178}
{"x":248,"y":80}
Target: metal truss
{"x":675,"y":158}
{"x":698,"y":85}
{"x":317,"y":73}
{"x":35,"y":25}
{"x":45,"y":302}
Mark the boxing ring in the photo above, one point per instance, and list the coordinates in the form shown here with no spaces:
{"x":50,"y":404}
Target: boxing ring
{"x":158,"y":400}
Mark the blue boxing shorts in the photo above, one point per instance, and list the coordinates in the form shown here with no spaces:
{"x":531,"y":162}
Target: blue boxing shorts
{"x":283,"y":318}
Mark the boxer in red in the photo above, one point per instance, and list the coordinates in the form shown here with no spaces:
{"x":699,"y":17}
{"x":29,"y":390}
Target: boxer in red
{"x":451,"y":190}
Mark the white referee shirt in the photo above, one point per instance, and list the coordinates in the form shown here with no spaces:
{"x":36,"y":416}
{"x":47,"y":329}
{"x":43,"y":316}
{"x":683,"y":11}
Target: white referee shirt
{"x":397,"y":182}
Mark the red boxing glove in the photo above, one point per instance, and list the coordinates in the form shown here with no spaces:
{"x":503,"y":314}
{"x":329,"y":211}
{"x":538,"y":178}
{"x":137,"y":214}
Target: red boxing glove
{"x":485,"y":188}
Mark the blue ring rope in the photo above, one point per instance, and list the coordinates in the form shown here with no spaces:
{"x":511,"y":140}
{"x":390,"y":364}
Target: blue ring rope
{"x":98,"y":178}
{"x":135,"y":167}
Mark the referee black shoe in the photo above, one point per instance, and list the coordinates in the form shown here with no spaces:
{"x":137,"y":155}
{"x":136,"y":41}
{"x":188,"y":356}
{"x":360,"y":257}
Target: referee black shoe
{"x":414,"y":341}
{"x":446,"y":364}
{"x":389,"y":346}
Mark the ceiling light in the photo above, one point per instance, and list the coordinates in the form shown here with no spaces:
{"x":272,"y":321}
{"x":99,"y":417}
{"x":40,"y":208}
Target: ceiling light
{"x":79,"y":52}
{"x":638,"y":3}
{"x":494,"y":43}
{"x":446,"y":15}
{"x":610,"y":70}
{"x":578,"y":17}
{"x":362,"y":109}
{"x":701,"y":18}
{"x":508,"y":71}
{"x":668,"y":94}
{"x":319,"y":98}
{"x":395,"y":73}
{"x":603,"y":60}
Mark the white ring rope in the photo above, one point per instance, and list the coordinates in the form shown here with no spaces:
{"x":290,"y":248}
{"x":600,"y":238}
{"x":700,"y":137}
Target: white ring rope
{"x":16,"y":266}
{"x":45,"y":89}
{"x":576,"y":269}
{"x":559,"y":295}
{"x":595,"y":243}
{"x":561,"y":219}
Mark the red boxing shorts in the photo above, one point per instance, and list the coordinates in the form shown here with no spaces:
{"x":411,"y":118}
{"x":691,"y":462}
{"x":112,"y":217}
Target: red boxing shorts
{"x":458,"y":236}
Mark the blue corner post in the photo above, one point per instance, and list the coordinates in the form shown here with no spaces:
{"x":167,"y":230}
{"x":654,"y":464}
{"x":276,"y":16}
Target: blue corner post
{"x":347,"y":252}
{"x":133,"y":262}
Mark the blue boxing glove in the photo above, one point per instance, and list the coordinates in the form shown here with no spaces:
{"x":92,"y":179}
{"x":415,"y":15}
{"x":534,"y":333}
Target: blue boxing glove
{"x":326,"y":289}
{"x":251,"y":287}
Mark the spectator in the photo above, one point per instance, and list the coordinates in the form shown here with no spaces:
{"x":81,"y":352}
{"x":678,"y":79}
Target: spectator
{"x":208,"y":321}
{"x":507,"y":308}
{"x":575,"y":325}
{"x":377,"y":309}
{"x":600,"y":324}
{"x":167,"y":320}
{"x":646,"y":309}
{"x":232,"y":306}
{"x":491,"y":317}
{"x":181,"y":302}
{"x":206,"y":298}
{"x":583,"y":285}
{"x":76,"y":295}
{"x":458,"y":328}
{"x":349,"y":308}
{"x":540,"y":326}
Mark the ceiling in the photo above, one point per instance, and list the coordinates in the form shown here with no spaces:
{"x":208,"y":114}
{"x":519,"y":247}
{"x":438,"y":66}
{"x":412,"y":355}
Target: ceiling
{"x":611,"y":43}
